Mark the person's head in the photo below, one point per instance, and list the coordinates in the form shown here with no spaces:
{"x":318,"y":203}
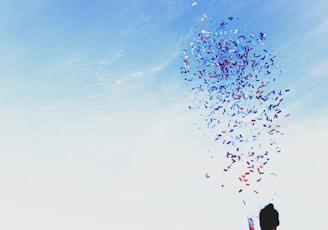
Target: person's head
{"x":269,"y":218}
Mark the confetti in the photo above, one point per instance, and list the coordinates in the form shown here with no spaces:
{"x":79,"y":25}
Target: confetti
{"x":232,"y":76}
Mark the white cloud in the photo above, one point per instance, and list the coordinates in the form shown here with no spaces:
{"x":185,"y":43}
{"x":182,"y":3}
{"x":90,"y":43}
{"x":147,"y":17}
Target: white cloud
{"x":320,"y":69}
{"x":152,"y":70}
{"x":116,"y":55}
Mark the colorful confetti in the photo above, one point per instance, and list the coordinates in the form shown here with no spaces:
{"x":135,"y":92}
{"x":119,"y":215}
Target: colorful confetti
{"x":232,"y":76}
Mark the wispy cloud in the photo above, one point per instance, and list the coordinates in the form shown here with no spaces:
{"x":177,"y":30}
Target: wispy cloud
{"x":320,"y":70}
{"x":148,"y":72}
{"x":116,"y":55}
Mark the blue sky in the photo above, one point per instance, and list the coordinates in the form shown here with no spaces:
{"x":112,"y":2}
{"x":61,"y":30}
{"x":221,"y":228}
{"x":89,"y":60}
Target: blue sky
{"x":95,"y":127}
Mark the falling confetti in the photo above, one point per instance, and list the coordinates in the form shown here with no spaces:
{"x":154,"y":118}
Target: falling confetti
{"x":232,"y":78}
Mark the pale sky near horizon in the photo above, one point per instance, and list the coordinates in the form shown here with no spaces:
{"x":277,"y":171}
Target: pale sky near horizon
{"x":95,"y":130}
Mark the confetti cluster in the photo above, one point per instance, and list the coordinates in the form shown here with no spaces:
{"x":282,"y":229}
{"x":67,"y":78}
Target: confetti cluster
{"x":232,"y":78}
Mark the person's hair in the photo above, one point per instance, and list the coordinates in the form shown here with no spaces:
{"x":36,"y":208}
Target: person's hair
{"x":269,"y":217}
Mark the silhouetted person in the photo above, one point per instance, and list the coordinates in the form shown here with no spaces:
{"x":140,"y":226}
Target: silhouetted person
{"x":269,"y":218}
